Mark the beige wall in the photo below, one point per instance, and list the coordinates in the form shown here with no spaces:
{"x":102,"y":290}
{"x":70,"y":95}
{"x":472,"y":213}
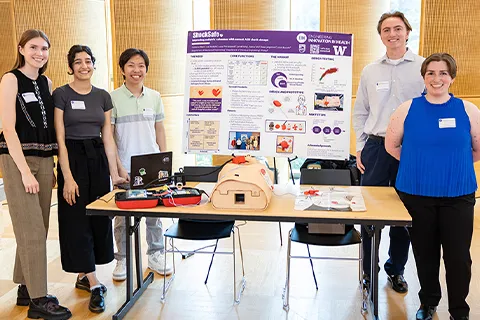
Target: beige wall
{"x":7,"y":40}
{"x":66,"y":22}
{"x":451,"y":26}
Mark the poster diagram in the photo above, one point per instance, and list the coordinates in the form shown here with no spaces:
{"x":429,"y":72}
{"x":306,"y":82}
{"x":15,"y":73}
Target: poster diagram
{"x":244,"y":140}
{"x":205,"y":99}
{"x":247,"y":72}
{"x":203,"y":135}
{"x":328,"y":101}
{"x":268,"y":93}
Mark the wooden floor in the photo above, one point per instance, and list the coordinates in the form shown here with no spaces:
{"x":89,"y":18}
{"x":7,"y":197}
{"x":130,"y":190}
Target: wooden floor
{"x":338,"y":296}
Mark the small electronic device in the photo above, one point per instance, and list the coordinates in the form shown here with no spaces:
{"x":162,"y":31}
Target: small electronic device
{"x":169,"y":197}
{"x":181,"y":197}
{"x":136,"y":194}
{"x":136,"y":199}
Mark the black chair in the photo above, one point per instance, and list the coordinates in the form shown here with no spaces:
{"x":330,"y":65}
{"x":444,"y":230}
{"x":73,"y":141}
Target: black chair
{"x":192,"y":229}
{"x":330,"y":177}
{"x":300,"y":234}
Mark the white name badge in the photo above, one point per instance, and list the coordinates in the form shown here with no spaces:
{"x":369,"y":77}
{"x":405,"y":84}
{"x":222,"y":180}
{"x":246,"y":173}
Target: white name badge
{"x":383,"y":86}
{"x":148,"y":112}
{"x":447,"y":123}
{"x":78,"y":105}
{"x":29,"y":97}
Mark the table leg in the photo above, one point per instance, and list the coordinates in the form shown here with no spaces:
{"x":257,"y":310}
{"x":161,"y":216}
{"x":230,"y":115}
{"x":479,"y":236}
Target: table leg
{"x":128,"y":251}
{"x":138,"y":252}
{"x":374,"y":270}
{"x":142,"y":284}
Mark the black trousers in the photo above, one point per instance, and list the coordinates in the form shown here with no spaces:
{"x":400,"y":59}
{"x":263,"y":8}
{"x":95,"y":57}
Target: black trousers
{"x":84,"y":240}
{"x":445,"y":223}
{"x":381,"y":170}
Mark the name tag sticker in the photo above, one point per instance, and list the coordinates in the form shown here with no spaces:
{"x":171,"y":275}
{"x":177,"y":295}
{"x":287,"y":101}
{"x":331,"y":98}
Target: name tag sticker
{"x":383,"y":86}
{"x":78,"y":105}
{"x":148,"y":112}
{"x":29,"y":97}
{"x":447,"y":123}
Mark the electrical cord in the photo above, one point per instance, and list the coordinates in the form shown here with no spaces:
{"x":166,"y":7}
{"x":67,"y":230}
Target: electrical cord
{"x":242,"y":224}
{"x":208,"y":173}
{"x":188,"y":254}
{"x":165,"y":179}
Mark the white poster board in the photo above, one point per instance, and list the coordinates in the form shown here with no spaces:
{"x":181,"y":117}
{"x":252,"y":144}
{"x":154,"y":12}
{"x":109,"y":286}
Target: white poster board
{"x":268,"y":93}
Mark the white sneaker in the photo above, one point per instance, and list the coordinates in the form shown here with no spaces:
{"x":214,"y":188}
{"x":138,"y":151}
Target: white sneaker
{"x":120,"y":271}
{"x":156,"y":262}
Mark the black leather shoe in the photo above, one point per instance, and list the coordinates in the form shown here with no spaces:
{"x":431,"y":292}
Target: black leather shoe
{"x":23,"y":298}
{"x":97,"y":301}
{"x":45,"y":308}
{"x":398,"y":283}
{"x":84,"y":284}
{"x":425,"y":312}
{"x":461,"y":318}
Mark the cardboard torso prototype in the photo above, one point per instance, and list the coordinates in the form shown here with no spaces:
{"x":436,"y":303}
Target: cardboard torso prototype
{"x":246,"y":186}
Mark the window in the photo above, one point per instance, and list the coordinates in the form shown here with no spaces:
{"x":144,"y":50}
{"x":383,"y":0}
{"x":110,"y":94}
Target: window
{"x":412,"y":11}
{"x":201,"y":21}
{"x":201,"y":14}
{"x":305,"y":15}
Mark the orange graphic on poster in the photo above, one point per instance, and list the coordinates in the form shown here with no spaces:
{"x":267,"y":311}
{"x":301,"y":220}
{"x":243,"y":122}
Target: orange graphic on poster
{"x":206,"y":92}
{"x":285,"y":144}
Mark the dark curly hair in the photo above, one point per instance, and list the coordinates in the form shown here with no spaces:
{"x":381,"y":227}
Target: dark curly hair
{"x":77,"y":49}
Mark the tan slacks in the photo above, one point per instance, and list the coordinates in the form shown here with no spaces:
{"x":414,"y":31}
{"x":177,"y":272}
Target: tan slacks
{"x":30,"y":215}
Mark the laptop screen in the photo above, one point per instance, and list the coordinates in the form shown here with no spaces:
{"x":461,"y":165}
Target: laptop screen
{"x":150,"y":170}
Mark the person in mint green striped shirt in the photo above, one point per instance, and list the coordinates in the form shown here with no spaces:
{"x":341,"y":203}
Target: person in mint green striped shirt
{"x":137,"y":123}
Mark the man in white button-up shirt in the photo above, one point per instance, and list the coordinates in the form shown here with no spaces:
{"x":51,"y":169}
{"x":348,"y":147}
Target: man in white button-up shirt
{"x":384,"y":85}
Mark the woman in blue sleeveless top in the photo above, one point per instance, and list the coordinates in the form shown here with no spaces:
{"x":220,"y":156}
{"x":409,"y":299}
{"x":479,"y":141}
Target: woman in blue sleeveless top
{"x":436,"y":137}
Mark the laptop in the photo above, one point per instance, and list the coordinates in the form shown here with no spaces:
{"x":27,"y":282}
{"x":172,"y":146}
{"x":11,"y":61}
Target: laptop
{"x":150,"y":170}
